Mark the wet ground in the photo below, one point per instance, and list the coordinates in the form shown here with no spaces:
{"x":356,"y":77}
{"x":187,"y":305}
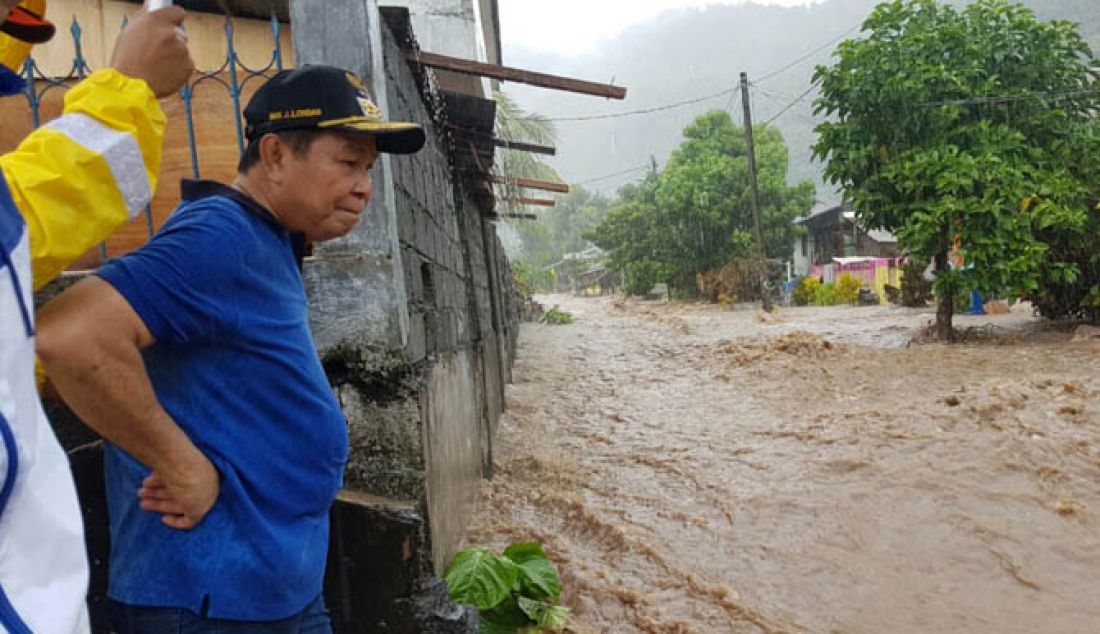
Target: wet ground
{"x":695,"y":469}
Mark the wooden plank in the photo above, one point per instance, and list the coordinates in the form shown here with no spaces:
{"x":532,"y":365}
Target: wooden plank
{"x":534,"y":202}
{"x":525,"y":147}
{"x":529,"y":183}
{"x":504,"y":143}
{"x":512,"y":216}
{"x":508,"y":73}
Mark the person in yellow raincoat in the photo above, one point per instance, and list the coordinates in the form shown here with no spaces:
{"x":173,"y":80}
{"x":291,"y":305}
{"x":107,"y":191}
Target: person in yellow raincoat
{"x":64,"y":189}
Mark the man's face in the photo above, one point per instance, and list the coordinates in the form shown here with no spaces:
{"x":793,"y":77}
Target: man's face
{"x":324,"y":191}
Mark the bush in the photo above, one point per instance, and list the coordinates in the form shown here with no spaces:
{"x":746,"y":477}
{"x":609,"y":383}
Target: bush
{"x":915,"y":290}
{"x":557,"y":317}
{"x":515,"y":590}
{"x":826,"y":295}
{"x":847,"y":288}
{"x":737,"y":281}
{"x":641,"y":276}
{"x":806,"y":292}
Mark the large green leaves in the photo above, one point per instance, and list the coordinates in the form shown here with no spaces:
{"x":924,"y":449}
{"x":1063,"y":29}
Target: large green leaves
{"x":537,"y":576}
{"x":516,"y":591}
{"x":479,"y":578}
{"x":544,"y":614}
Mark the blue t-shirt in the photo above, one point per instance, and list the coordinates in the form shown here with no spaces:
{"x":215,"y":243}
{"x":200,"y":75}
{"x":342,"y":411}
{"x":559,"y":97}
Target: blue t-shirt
{"x":220,"y":289}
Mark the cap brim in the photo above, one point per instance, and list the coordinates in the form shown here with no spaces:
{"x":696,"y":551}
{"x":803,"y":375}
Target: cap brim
{"x":391,"y":137}
{"x":27,"y":27}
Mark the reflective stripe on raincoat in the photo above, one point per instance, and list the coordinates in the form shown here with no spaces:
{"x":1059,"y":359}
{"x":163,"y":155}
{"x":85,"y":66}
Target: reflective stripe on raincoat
{"x":64,"y":189}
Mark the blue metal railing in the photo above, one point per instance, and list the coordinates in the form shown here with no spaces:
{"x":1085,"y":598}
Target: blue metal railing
{"x":239,"y":75}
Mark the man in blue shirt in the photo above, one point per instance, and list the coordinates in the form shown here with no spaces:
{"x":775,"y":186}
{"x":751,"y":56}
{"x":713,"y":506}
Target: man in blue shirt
{"x":193,"y":358}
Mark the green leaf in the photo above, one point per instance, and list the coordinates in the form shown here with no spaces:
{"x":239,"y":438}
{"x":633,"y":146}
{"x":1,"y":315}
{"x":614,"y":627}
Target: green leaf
{"x":545,"y":615}
{"x":505,"y":618}
{"x":478,"y":577}
{"x":537,"y":576}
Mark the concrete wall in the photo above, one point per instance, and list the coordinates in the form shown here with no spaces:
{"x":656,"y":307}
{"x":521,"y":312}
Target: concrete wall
{"x":459,"y":28}
{"x":418,"y":345}
{"x":440,"y":232}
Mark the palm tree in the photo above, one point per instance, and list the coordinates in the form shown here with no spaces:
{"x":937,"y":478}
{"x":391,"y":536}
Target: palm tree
{"x":513,"y":123}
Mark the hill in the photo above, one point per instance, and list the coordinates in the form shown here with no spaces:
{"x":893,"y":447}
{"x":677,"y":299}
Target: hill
{"x":697,"y":55}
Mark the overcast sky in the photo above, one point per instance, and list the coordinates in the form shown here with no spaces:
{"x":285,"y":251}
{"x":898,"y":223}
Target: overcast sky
{"x":568,"y":27}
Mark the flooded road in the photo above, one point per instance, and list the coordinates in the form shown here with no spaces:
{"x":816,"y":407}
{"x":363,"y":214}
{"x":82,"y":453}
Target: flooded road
{"x":695,"y":469}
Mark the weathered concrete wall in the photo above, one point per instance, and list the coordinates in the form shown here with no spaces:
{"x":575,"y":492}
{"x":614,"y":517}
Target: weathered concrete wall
{"x":421,"y":416}
{"x":441,"y":272}
{"x":457,"y":28}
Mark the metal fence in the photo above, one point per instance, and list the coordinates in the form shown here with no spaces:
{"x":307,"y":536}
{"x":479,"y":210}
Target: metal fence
{"x":233,"y":75}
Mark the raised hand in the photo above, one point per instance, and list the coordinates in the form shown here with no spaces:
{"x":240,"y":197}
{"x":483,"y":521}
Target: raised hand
{"x":153,"y":47}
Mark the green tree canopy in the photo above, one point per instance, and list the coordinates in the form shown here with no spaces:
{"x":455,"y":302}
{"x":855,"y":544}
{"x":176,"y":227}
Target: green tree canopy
{"x":696,"y":215}
{"x":965,"y":127}
{"x":561,"y":229}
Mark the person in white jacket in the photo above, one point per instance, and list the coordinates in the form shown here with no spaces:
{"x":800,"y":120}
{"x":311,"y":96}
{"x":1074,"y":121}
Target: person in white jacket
{"x":65,"y":188}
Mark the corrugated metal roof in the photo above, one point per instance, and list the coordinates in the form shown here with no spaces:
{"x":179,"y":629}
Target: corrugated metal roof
{"x":817,"y":210}
{"x":882,"y":236}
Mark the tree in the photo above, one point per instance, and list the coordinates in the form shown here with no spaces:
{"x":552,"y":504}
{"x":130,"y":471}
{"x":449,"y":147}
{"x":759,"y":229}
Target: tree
{"x":560,"y":230}
{"x":513,"y":123}
{"x":695,"y":215}
{"x":631,"y":236}
{"x":962,"y":130}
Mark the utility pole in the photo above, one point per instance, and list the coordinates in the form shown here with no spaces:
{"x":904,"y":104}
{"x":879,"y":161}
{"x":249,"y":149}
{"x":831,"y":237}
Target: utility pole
{"x":758,"y":227}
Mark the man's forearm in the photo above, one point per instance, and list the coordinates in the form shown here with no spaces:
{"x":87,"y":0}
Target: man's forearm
{"x":105,"y":384}
{"x":91,"y":349}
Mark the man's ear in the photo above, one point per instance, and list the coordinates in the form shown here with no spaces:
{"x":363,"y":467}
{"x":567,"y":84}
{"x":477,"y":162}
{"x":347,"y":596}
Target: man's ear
{"x":273,"y":157}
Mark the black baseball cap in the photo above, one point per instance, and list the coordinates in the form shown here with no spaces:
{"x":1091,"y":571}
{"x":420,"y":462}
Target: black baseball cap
{"x":326,"y":98}
{"x":26,"y":23}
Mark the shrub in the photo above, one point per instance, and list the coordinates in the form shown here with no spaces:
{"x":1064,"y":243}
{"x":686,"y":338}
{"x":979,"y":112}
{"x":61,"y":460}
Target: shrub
{"x":641,"y":276}
{"x":826,"y":295}
{"x":915,"y":290}
{"x":557,"y":317}
{"x":738,"y":280}
{"x":847,"y":288}
{"x":806,"y":291}
{"x":518,"y":589}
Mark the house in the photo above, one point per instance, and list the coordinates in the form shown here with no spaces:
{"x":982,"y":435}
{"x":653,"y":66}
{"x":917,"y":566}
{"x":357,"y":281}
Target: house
{"x":569,"y":271}
{"x":832,"y":232}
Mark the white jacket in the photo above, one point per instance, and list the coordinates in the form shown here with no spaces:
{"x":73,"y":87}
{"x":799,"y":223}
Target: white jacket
{"x":64,"y":189}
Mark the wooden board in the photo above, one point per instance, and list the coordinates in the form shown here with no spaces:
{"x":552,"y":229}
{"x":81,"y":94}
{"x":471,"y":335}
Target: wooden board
{"x":101,"y":20}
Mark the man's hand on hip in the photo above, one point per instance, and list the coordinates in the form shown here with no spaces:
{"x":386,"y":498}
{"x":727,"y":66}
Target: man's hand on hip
{"x":182,"y":499}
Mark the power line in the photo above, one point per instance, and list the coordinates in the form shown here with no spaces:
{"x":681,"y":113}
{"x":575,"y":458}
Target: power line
{"x":796,"y":62}
{"x":624,"y":172}
{"x":615,"y":115}
{"x":793,"y":103}
{"x":628,"y":113}
{"x":768,"y":93}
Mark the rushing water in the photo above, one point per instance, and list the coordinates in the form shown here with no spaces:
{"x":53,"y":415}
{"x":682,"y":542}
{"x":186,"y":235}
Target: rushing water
{"x":693,"y":469}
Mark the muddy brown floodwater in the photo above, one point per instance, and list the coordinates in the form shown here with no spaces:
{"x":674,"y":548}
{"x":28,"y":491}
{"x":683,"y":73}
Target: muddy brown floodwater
{"x":696,"y":469}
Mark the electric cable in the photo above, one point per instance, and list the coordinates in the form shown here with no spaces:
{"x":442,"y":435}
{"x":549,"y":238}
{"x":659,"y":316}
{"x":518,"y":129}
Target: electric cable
{"x":793,"y":103}
{"x":615,"y":115}
{"x":622,"y":173}
{"x":818,"y":49}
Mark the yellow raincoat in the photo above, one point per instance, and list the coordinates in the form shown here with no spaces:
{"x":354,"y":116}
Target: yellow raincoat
{"x":64,"y":189}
